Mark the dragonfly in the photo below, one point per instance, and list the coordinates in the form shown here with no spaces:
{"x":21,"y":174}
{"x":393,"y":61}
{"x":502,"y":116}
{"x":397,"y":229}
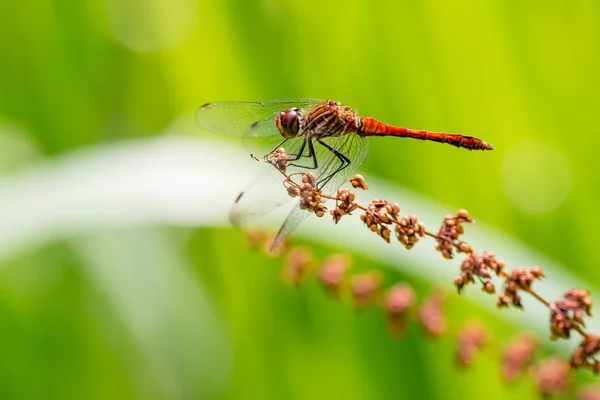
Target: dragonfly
{"x":324,"y":137}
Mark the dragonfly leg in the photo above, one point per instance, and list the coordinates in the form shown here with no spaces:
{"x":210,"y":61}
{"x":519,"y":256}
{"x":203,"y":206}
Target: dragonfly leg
{"x":305,"y":132}
{"x":344,"y":162}
{"x":311,"y":153}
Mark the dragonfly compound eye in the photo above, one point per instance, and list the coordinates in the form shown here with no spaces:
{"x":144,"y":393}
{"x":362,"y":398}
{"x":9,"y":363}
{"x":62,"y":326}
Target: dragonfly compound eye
{"x":288,"y":123}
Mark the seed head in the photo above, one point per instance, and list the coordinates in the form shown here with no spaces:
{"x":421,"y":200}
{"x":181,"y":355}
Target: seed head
{"x":516,"y":280}
{"x":553,"y":377}
{"x":431,"y":314}
{"x":470,"y":341}
{"x":585,"y":355}
{"x":397,"y":303}
{"x":568,"y":312}
{"x":344,"y":204}
{"x":358,"y":182}
{"x":409,"y":230}
{"x":450,"y":231}
{"x":365,"y":288}
{"x":332,"y":273}
{"x":296,"y":265}
{"x":518,"y":356}
{"x":278,"y":158}
{"x":479,"y":265}
{"x":309,"y":192}
{"x":379,"y":215}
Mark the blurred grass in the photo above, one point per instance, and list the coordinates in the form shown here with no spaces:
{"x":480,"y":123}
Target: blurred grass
{"x":502,"y":71}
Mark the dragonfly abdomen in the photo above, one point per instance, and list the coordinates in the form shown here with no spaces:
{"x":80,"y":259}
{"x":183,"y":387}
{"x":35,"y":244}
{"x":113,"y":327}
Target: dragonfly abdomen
{"x":372,"y":127}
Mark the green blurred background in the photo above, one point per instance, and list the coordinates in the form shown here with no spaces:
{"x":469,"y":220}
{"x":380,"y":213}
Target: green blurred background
{"x":83,"y":316}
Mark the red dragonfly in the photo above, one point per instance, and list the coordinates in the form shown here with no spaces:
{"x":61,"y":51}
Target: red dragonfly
{"x":323,"y":137}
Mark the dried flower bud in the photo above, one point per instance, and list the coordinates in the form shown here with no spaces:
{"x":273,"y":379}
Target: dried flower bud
{"x":398,"y":301}
{"x":297,"y":265}
{"x":585,"y":355}
{"x":463,"y":216}
{"x":337,"y":214}
{"x":333,"y":272}
{"x":553,"y":377}
{"x":503,"y":301}
{"x":464,"y":247}
{"x":365,"y":288}
{"x":489,"y":287}
{"x":518,"y":356}
{"x":278,"y":158}
{"x":470,"y":341}
{"x":431,"y":314}
{"x":256,"y":238}
{"x":567,"y":312}
{"x":293,"y":191}
{"x":311,"y":199}
{"x":460,"y":282}
{"x":409,"y":230}
{"x":344,"y":204}
{"x":518,"y":279}
{"x":479,"y":265}
{"x":378,"y":216}
{"x":450,"y":231}
{"x":358,"y":182}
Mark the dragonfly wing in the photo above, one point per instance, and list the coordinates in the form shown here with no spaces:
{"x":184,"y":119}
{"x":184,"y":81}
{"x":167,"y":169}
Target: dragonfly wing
{"x":260,"y":197}
{"x":352,"y":146}
{"x":294,"y":218}
{"x":333,"y":160}
{"x":267,"y":192}
{"x":253,"y":119}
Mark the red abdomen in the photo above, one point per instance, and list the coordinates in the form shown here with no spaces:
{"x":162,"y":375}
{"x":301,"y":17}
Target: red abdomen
{"x":372,"y":127}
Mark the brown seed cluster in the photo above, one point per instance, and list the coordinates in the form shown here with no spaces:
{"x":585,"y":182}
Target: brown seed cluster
{"x":278,"y":158}
{"x":344,"y":204}
{"x":365,"y":288}
{"x":309,"y":192}
{"x":379,"y":216}
{"x":449,"y":233}
{"x":518,"y":279}
{"x":518,"y":356}
{"x":584,"y":355}
{"x":553,"y":377}
{"x":568,"y":312}
{"x":297,"y":265}
{"x":470,"y":340}
{"x":398,"y":301}
{"x":431,"y":314}
{"x":479,"y":265}
{"x":409,"y":230}
{"x":332,"y":273}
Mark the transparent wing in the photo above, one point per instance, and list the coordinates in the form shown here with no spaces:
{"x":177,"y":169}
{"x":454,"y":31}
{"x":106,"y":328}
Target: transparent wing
{"x":263,"y":195}
{"x":251,"y":119}
{"x":294,"y":218}
{"x":267,"y":192}
{"x":351,"y":146}
{"x":355,"y":148}
{"x":333,"y":160}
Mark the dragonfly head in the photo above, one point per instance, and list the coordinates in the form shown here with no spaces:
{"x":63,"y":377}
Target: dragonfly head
{"x":289,"y":122}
